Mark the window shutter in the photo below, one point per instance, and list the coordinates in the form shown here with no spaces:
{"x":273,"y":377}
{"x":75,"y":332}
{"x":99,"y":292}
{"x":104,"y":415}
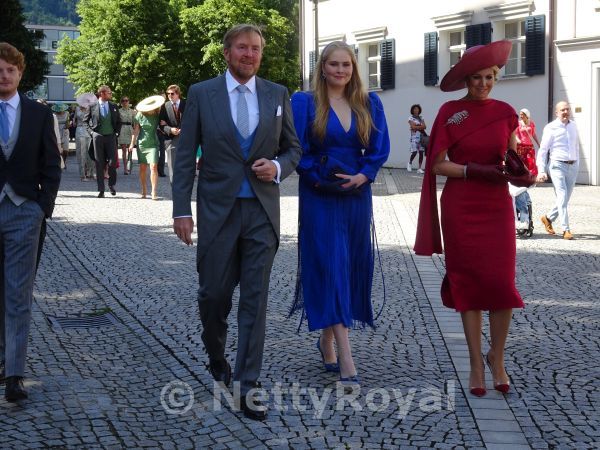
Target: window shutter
{"x":312,"y":62}
{"x":535,"y":45}
{"x":480,"y":34}
{"x":388,"y":63}
{"x":430,"y":59}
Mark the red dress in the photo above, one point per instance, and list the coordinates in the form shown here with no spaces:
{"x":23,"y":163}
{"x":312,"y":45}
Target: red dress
{"x":525,"y":149}
{"x":477,"y":217}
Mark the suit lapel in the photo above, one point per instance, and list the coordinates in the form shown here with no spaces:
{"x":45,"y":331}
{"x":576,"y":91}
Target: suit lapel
{"x":22,"y":136}
{"x":219,"y":103}
{"x":264,"y":115}
{"x":171,"y":113}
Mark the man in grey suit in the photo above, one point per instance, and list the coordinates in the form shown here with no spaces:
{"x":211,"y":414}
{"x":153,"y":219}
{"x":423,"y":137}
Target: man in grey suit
{"x":103,"y":123}
{"x":29,"y":179}
{"x":170,"y":123}
{"x":245,"y":127}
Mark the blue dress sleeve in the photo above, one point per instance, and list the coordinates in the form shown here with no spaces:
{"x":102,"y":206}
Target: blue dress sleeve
{"x":304,"y":111}
{"x":379,"y":143}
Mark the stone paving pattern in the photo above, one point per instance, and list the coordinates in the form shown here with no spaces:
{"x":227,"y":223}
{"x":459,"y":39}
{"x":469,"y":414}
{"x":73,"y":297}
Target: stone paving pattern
{"x":101,"y":387}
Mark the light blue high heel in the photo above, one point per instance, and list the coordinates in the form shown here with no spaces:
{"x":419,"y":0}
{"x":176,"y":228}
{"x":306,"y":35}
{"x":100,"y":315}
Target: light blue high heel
{"x":329,"y":367}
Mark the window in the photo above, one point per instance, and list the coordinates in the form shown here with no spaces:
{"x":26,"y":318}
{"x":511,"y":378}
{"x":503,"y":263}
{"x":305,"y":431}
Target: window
{"x":456,"y":47}
{"x":374,"y":66}
{"x":376,"y":57}
{"x":515,"y":32}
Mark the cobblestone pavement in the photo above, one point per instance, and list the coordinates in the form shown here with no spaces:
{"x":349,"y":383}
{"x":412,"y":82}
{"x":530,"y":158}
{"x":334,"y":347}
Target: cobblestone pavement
{"x":108,"y":386}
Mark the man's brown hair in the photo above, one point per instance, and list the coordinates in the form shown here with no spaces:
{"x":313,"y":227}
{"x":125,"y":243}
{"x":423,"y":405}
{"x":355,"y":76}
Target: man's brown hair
{"x":12,"y":56}
{"x":242,"y":29}
{"x":174,"y":88}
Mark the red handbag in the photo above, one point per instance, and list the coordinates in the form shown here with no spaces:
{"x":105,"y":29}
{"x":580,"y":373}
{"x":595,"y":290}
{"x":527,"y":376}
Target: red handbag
{"x":514,"y":165}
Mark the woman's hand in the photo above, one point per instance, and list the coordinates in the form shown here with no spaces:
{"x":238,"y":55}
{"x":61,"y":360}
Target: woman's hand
{"x":354,"y":181}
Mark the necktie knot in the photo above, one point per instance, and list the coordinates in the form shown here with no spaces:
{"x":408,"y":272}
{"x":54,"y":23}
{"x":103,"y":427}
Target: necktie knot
{"x":242,"y":88}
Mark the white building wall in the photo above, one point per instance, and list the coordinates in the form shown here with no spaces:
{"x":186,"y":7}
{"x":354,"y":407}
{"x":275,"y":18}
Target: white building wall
{"x":406,"y":22}
{"x":577,"y":77}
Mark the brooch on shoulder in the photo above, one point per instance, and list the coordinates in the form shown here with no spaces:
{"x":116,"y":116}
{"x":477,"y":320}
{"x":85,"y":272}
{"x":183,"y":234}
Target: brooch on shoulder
{"x":457,"y":118}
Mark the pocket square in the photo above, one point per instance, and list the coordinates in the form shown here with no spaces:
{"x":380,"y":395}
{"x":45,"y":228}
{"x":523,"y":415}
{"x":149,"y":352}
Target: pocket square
{"x":278,"y":113}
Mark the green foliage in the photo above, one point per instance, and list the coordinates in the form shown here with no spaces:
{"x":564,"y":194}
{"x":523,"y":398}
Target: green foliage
{"x":203,"y":29}
{"x":139,"y":47}
{"x":51,"y":12}
{"x":13,"y":31}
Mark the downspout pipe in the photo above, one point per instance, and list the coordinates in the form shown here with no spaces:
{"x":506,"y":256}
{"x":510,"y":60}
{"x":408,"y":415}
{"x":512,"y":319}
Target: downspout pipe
{"x":551,"y":39}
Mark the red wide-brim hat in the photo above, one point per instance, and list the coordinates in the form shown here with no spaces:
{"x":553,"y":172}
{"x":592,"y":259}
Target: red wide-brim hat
{"x":473,"y":60}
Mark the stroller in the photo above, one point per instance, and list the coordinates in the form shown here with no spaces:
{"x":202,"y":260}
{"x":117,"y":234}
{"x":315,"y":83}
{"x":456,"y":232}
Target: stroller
{"x":523,"y":211}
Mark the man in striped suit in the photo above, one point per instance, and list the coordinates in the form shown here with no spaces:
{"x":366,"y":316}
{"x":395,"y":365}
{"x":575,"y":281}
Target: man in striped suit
{"x":29,"y":179}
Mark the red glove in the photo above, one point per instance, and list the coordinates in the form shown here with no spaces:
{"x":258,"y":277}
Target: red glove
{"x":486,"y":172}
{"x":522,"y":180}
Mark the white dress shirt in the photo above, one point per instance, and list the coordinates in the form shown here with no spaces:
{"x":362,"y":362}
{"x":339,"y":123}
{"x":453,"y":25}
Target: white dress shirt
{"x":560,"y":142}
{"x":251,"y":100}
{"x":12,"y":104}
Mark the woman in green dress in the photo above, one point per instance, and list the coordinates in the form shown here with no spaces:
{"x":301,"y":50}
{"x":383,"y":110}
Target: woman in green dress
{"x":145,"y":124}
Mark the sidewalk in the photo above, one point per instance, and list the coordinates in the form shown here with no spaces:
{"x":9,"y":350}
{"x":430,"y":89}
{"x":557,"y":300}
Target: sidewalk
{"x":108,"y":385}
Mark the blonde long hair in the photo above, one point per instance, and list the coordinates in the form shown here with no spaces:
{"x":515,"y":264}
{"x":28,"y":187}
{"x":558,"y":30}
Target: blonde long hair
{"x":354,"y":92}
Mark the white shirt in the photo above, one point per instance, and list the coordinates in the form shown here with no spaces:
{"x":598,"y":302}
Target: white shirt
{"x":11,"y":111}
{"x":251,"y":100}
{"x":560,"y":142}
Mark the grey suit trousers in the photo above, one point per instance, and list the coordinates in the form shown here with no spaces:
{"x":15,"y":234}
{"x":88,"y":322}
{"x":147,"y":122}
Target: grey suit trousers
{"x":242,"y":252}
{"x":171,"y":150}
{"x":19,"y":237}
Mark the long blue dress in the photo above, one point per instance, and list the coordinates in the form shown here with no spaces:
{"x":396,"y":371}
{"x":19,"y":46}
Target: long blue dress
{"x":336,"y":253}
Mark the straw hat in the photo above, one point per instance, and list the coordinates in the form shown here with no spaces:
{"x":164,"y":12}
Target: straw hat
{"x":150,"y":103}
{"x":473,"y":60}
{"x":86,"y":100}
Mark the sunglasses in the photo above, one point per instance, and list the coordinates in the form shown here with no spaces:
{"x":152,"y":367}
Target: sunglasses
{"x":171,"y":93}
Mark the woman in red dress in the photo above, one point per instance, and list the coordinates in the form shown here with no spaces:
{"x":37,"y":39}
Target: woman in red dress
{"x":476,"y":208}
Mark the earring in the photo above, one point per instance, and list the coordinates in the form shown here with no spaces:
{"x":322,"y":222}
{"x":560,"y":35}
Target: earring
{"x":323,"y":75}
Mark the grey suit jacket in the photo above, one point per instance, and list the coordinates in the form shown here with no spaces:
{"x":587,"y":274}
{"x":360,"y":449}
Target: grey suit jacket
{"x":207,"y":122}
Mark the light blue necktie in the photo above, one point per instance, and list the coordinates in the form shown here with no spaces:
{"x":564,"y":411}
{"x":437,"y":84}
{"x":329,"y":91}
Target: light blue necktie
{"x":4,"y":131}
{"x":103,"y":109}
{"x":243,"y":120}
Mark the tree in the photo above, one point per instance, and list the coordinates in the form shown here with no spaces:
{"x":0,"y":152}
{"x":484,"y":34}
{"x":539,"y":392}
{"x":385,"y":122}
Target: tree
{"x":13,"y":31}
{"x":203,"y":28}
{"x":138,"y":47}
{"x":126,"y":44}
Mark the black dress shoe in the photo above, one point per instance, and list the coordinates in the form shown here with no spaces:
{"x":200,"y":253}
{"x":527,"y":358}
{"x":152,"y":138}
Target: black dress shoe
{"x":220,"y":371}
{"x":253,"y":409}
{"x":15,"y":390}
{"x":101,"y":194}
{"x":112,"y":190}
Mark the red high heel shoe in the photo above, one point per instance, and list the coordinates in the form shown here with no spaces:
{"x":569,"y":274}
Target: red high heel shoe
{"x":476,"y":390}
{"x":501,"y":387}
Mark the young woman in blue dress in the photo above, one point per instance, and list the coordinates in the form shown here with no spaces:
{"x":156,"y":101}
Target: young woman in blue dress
{"x":345,"y":141}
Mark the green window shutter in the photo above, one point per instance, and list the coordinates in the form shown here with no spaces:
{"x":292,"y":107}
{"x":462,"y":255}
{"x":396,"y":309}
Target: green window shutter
{"x":535,"y":45}
{"x":480,"y":34}
{"x":387,"y":50}
{"x":430,"y":59}
{"x":312,"y":62}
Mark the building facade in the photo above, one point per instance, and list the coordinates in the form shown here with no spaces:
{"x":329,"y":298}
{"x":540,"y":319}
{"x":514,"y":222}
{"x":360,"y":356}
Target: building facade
{"x":56,"y":86}
{"x":405,"y":48}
